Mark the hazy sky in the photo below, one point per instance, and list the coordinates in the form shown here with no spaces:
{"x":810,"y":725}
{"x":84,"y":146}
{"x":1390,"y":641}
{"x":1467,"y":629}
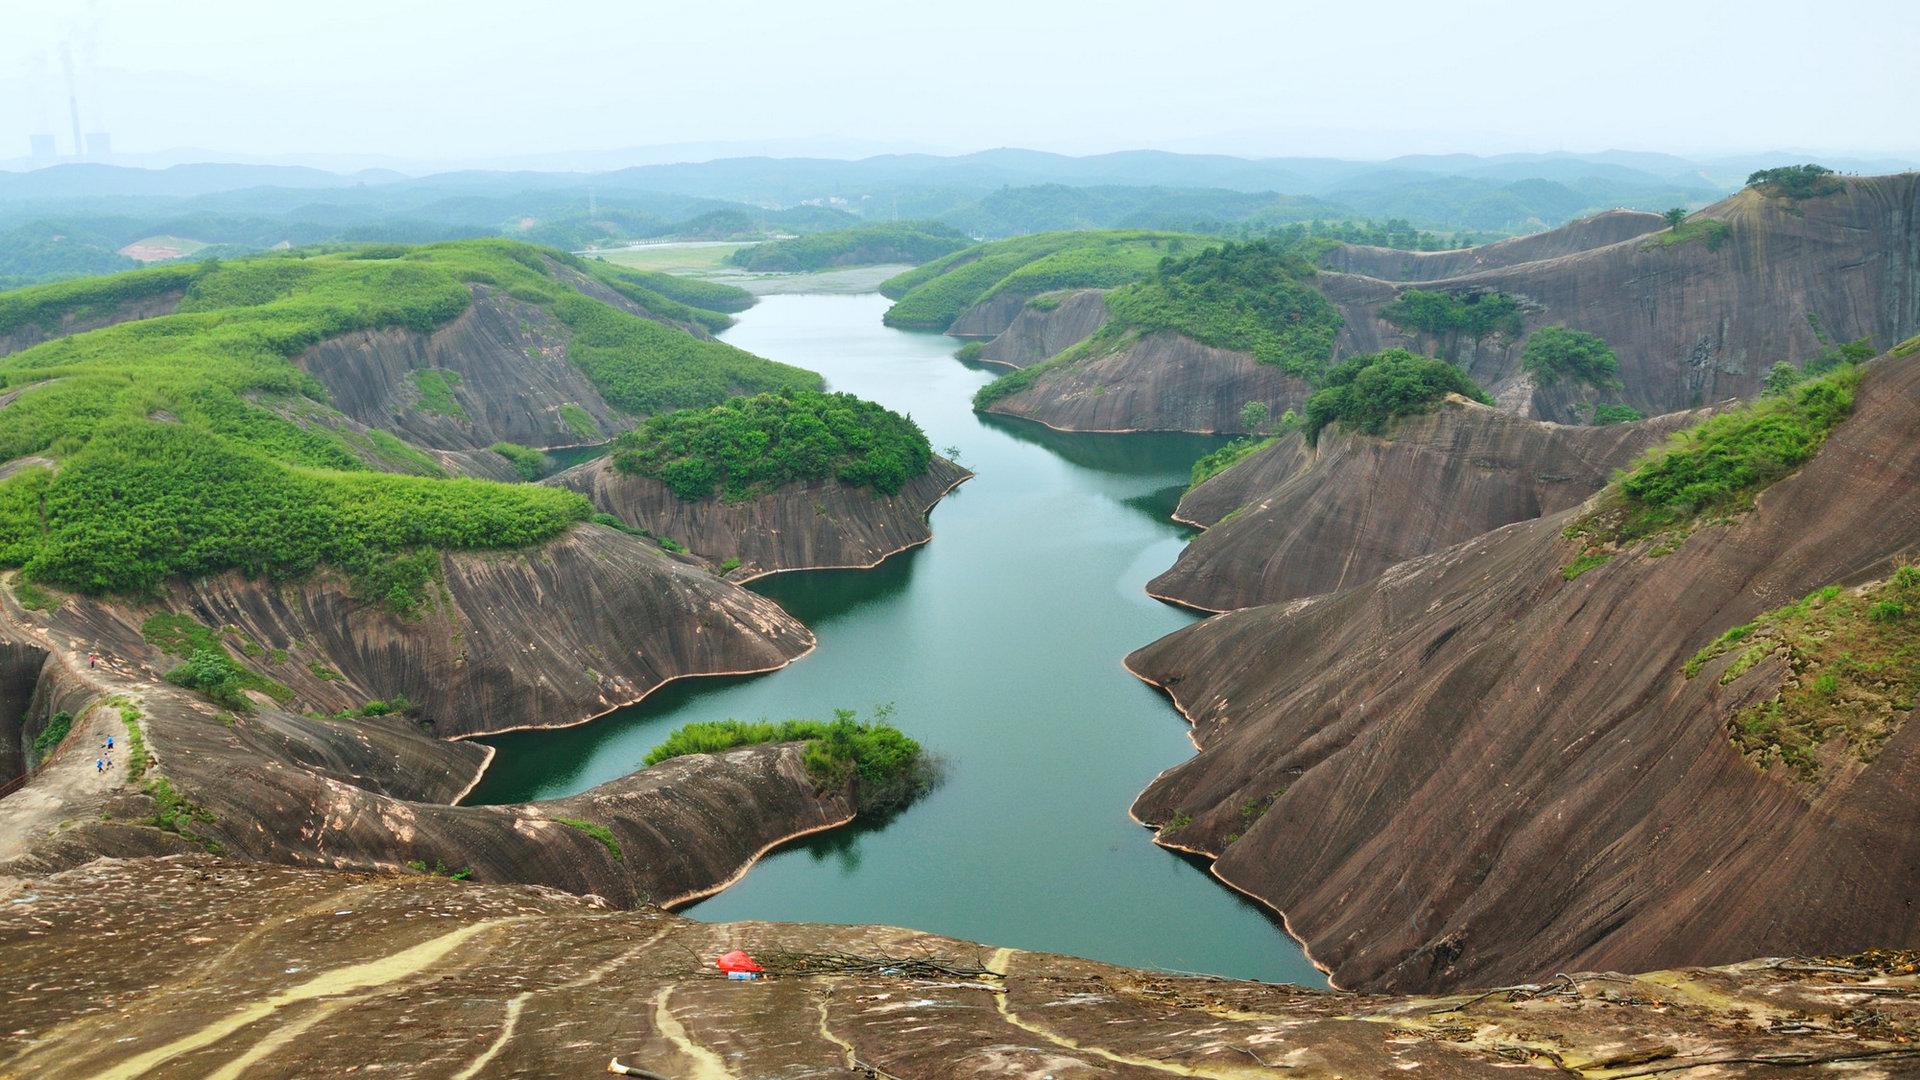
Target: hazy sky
{"x":466,"y":81}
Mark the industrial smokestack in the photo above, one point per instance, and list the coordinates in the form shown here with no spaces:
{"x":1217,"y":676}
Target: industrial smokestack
{"x":73,"y":101}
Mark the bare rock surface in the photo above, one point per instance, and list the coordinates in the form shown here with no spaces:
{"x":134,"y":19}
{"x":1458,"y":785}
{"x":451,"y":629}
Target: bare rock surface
{"x":1471,"y":769}
{"x":1313,"y":521}
{"x":219,"y":970}
{"x":990,"y":317}
{"x":801,"y":526}
{"x":1160,"y":382}
{"x":1395,"y":264}
{"x":1036,"y":333}
{"x":146,"y":307}
{"x":504,"y":362}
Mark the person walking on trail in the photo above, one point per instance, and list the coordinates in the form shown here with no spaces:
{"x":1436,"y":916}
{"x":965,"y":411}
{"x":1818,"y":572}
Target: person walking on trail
{"x":92,"y":659}
{"x":109,"y":744}
{"x":99,"y":764}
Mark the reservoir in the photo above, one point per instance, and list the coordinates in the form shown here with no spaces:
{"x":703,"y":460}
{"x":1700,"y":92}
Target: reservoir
{"x":999,"y":646}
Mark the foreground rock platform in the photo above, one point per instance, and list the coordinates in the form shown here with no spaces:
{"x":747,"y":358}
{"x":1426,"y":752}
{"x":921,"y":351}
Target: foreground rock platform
{"x":191,"y":967}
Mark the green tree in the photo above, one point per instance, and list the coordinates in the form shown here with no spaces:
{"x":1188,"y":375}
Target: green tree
{"x":1781,"y":377}
{"x":1364,"y":392}
{"x":1558,"y":352}
{"x":1254,"y":415}
{"x":1675,"y":216}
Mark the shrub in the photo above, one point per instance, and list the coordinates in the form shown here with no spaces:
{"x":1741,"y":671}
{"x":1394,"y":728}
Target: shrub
{"x":212,"y":671}
{"x":1226,"y":457}
{"x":1718,"y":466}
{"x":748,"y":446}
{"x":531,"y":464}
{"x":58,"y":725}
{"x":885,"y":768}
{"x":1781,"y":378}
{"x":1364,"y":392}
{"x":1556,"y":352}
{"x":579,"y":421}
{"x":970,"y":351}
{"x":33,"y":597}
{"x":1616,"y":413}
{"x":1476,"y":314}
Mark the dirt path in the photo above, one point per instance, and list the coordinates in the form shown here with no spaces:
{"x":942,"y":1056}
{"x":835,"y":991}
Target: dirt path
{"x":70,"y":786}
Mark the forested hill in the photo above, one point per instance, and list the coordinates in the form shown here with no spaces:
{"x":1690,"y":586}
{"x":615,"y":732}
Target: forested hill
{"x":192,"y":441}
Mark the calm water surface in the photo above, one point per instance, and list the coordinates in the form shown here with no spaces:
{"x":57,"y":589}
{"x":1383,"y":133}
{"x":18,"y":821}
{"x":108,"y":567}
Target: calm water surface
{"x":999,"y":644}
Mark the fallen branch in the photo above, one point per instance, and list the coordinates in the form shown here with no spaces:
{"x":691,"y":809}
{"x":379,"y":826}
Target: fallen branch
{"x":618,"y":1069}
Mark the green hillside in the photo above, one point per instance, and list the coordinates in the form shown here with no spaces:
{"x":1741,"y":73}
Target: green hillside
{"x":932,"y":296}
{"x":190,"y":444}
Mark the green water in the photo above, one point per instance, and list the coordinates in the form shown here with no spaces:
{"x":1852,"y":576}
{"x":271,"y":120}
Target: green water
{"x":1000,"y":646}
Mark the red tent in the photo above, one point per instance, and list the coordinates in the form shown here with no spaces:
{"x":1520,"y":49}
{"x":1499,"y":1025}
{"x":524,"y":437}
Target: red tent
{"x":736,"y":961}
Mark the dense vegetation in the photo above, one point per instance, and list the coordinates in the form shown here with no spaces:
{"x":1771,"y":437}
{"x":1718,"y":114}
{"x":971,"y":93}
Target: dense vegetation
{"x":1257,"y":298}
{"x":886,"y":769}
{"x":1363,"y":393}
{"x":1853,"y":671}
{"x":1475,"y":314}
{"x":932,"y":296}
{"x":1796,"y":181}
{"x":1225,"y":458}
{"x":57,"y":727}
{"x":892,"y":242}
{"x":1715,"y":468}
{"x":747,"y":446}
{"x":49,"y":305}
{"x":208,"y":667}
{"x":1616,"y":413}
{"x":1554,"y":353}
{"x":531,"y":464}
{"x":181,"y":444}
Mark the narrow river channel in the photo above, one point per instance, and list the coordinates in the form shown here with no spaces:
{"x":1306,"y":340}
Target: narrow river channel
{"x":999,"y":645}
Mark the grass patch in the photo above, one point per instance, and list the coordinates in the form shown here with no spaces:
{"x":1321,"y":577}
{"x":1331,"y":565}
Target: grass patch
{"x":1225,"y":458}
{"x":886,"y":769}
{"x":1616,"y":414}
{"x":598,"y":832}
{"x":1853,"y":662}
{"x":1714,"y":470}
{"x":208,"y":667}
{"x":33,"y":597}
{"x":138,"y":760}
{"x":1587,"y":560}
{"x":580,"y":422}
{"x":1693,"y":231}
{"x":531,"y":464}
{"x":436,"y":391}
{"x":322,"y":672}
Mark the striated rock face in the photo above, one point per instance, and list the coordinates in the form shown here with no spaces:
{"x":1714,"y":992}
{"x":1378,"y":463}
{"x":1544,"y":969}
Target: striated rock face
{"x":505,"y":363}
{"x":1472,"y":769}
{"x":990,"y":317}
{"x":220,"y":969}
{"x":146,"y":307}
{"x":798,"y":527}
{"x":1035,"y":335}
{"x":1694,"y":322}
{"x":1392,"y":264}
{"x":1310,"y":522}
{"x":342,"y":790}
{"x":1160,"y":382}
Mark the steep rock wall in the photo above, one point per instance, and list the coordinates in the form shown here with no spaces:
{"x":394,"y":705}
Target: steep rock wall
{"x":509,"y":378}
{"x":1470,"y":769}
{"x":1160,"y":382}
{"x":990,"y":317}
{"x":1034,"y":334}
{"x":1362,"y":503}
{"x":1393,"y":264}
{"x":800,"y":526}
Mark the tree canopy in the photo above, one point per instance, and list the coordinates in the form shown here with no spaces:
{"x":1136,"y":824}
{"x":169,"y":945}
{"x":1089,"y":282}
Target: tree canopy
{"x":1558,"y":352}
{"x":1364,"y":392}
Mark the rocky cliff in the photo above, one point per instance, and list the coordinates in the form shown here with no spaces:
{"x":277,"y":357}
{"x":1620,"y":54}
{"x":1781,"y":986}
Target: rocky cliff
{"x":1395,"y":264}
{"x":219,"y":970}
{"x":1695,"y":316}
{"x":989,"y":317}
{"x":801,"y":526}
{"x":1313,"y":521}
{"x":1160,"y":382}
{"x":1039,"y":332}
{"x":1471,"y":768}
{"x":502,"y":365}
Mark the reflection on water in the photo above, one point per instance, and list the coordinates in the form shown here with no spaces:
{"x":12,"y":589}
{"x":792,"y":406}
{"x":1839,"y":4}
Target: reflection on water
{"x":1000,"y":646}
